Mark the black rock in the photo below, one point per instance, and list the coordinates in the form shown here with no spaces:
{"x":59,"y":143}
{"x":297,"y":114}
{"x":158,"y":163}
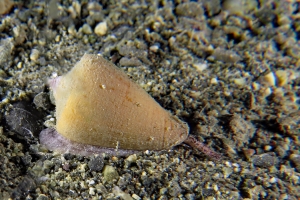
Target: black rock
{"x":24,"y":119}
{"x":96,"y":164}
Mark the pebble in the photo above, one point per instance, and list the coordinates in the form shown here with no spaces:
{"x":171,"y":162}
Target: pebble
{"x":110,"y":173}
{"x":24,"y":119}
{"x":42,"y":100}
{"x":96,"y":164}
{"x":92,"y":191}
{"x":263,"y":160}
{"x":214,"y":81}
{"x":234,"y":7}
{"x":136,"y":197}
{"x":87,"y":29}
{"x":119,"y":193}
{"x":130,"y":160}
{"x":101,"y":29}
{"x":227,"y":56}
{"x":72,"y":30}
{"x":200,"y":66}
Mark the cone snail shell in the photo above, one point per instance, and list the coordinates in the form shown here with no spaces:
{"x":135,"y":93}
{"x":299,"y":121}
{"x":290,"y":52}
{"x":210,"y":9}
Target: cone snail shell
{"x":97,"y":104}
{"x":100,"y":110}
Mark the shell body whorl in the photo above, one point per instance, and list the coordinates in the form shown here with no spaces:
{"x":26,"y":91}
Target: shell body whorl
{"x":97,"y":104}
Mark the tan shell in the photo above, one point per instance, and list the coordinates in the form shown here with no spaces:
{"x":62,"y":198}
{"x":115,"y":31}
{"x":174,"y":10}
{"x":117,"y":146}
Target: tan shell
{"x":97,"y":104}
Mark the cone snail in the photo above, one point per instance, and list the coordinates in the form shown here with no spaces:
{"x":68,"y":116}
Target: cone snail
{"x":100,"y":110}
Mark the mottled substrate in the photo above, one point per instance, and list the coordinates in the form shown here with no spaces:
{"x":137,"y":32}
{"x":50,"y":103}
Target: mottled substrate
{"x":230,"y":70}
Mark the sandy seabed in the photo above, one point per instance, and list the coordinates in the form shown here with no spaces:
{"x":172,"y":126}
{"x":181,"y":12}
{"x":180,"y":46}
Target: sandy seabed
{"x":230,"y":69}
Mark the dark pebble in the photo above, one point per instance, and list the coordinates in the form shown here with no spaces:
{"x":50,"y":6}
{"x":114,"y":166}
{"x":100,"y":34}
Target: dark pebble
{"x":264,"y":160}
{"x":96,"y":164}
{"x":24,"y":119}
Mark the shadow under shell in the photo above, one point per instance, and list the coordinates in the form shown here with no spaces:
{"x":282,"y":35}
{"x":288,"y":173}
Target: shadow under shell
{"x":54,"y":141}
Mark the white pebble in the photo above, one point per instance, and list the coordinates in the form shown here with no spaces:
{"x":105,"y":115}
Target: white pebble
{"x":273,"y":180}
{"x":267,"y":147}
{"x":72,"y":30}
{"x":216,"y":188}
{"x":154,"y":48}
{"x":19,"y":65}
{"x":87,"y":29}
{"x":34,"y":55}
{"x":77,"y":7}
{"x":57,"y":38}
{"x":235,"y":165}
{"x":270,"y":79}
{"x":200,"y":66}
{"x":267,"y":91}
{"x":101,"y":29}
{"x":136,"y":197}
{"x":214,"y":81}
{"x":240,"y":81}
{"x":228,"y":164}
{"x":91,"y":182}
{"x":92,"y":191}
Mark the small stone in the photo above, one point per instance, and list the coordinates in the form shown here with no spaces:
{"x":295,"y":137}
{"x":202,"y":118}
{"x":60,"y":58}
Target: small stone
{"x":269,"y":79}
{"x":227,"y":56}
{"x":57,"y":38}
{"x":87,"y":29}
{"x":136,"y":197}
{"x":77,"y":7}
{"x":284,"y":76}
{"x":92,"y":191}
{"x":130,"y":61}
{"x":42,"y":100}
{"x":101,"y":29}
{"x":241,"y":129}
{"x":42,"y":197}
{"x":200,"y":66}
{"x":234,"y":7}
{"x":94,"y":6}
{"x":227,"y":171}
{"x":109,"y":173}
{"x":19,"y":34}
{"x":154,"y":48}
{"x":130,"y":159}
{"x":190,"y":9}
{"x":267,"y":147}
{"x":273,"y":180}
{"x":264,"y":160}
{"x":24,"y":119}
{"x":240,"y":81}
{"x":96,"y":164}
{"x":34,"y":55}
{"x":214,"y":81}
{"x":119,"y":193}
{"x":72,"y":30}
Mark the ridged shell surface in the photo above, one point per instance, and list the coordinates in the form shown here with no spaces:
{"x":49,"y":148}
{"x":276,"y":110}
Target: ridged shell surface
{"x":97,"y":104}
